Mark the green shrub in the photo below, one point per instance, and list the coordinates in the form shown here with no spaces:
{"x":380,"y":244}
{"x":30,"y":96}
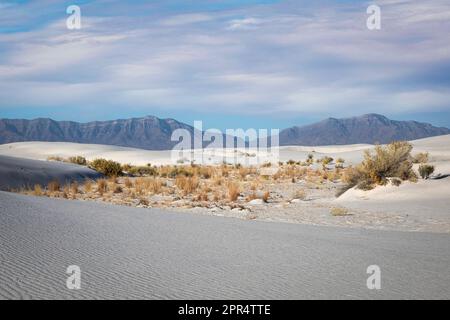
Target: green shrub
{"x":107,"y":167}
{"x":426,"y":171}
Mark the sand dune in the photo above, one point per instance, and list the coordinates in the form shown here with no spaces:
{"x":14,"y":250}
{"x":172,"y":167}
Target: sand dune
{"x":437,"y":146}
{"x":129,"y":253}
{"x":16,"y":173}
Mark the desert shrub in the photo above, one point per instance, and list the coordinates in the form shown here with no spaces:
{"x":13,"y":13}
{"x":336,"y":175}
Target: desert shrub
{"x":391,"y":161}
{"x":396,"y":182}
{"x":107,"y":167}
{"x":340,"y":163}
{"x":326,"y":160}
{"x":78,"y":160}
{"x":421,"y":157}
{"x":291,"y":162}
{"x":426,"y":171}
{"x":142,"y":171}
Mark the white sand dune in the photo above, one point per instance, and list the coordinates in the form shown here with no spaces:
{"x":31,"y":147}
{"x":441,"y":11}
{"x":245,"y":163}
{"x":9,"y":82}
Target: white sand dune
{"x":16,"y":173}
{"x":424,"y":199}
{"x":439,"y":148}
{"x":130,"y":253}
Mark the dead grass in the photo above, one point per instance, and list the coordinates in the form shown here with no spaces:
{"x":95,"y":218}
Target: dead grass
{"x":233,"y":191}
{"x":339,"y":212}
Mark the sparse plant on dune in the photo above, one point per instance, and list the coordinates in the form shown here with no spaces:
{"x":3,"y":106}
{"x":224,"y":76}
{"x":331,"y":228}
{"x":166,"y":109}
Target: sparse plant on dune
{"x":78,"y":160}
{"x":421,"y":157}
{"x":391,"y":161}
{"x":107,"y":167}
{"x":426,"y":171}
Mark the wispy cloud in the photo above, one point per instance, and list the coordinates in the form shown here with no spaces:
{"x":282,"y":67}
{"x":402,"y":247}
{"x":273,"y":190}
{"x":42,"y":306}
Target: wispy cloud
{"x":292,"y":57}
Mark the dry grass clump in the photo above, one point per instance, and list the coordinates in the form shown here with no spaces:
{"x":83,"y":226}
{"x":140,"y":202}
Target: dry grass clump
{"x":266,"y":197}
{"x":187,"y":184}
{"x":53,"y":186}
{"x":74,"y":188}
{"x":299,"y":194}
{"x":37,"y":190}
{"x":102,"y":186}
{"x":128,"y":183}
{"x":87,"y":186}
{"x":391,"y":161}
{"x":233,"y":191}
{"x":339,"y":212}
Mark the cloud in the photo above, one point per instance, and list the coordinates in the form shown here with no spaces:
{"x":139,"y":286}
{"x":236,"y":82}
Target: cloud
{"x":296,"y":57}
{"x":244,"y":24}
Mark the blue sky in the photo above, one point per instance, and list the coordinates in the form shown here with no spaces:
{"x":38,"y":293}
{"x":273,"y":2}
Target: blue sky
{"x":246,"y":63}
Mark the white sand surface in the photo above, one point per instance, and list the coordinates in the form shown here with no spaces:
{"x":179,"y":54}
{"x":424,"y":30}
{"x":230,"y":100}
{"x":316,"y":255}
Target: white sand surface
{"x":132,"y":253}
{"x":422,"y":200}
{"x":17,"y":173}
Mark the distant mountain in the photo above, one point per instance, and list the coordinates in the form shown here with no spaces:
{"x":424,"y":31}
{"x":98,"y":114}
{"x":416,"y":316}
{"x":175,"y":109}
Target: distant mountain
{"x":153,"y":133}
{"x":369,"y":128}
{"x":149,"y":132}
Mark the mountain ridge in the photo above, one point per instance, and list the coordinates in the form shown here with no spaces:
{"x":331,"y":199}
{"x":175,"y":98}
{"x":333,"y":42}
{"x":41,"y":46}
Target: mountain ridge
{"x":153,"y":133}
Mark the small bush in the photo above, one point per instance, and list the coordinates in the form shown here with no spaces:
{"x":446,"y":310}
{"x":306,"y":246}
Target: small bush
{"x":78,"y":160}
{"x":391,"y":161}
{"x":426,"y":171}
{"x":421,"y":158}
{"x":107,"y":167}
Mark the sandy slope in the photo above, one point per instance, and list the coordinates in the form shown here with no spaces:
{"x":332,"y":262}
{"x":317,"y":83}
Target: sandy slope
{"x":423,"y":200}
{"x":16,"y":173}
{"x":141,"y":253}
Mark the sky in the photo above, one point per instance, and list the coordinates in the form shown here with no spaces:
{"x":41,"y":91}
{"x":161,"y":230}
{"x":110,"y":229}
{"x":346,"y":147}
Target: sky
{"x":232,"y":64}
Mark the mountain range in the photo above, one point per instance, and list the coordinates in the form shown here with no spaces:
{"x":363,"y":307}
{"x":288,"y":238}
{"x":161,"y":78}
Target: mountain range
{"x":152,"y":133}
